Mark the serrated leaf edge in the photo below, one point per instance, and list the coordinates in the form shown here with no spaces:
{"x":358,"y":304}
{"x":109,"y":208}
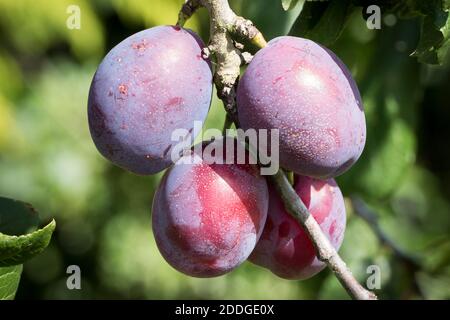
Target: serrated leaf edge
{"x":10,"y":239}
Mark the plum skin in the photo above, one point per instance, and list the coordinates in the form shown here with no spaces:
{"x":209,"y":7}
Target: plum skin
{"x":150,"y":84}
{"x":207,"y":218}
{"x":305,"y":91}
{"x":284,"y":247}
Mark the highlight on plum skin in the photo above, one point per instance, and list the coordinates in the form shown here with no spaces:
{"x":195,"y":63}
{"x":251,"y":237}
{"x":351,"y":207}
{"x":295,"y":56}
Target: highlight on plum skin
{"x":207,"y":218}
{"x":284,"y":247}
{"x":305,"y":91}
{"x":150,"y":84}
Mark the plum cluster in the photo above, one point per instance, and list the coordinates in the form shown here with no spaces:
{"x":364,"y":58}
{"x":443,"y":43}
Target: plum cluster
{"x":209,"y":217}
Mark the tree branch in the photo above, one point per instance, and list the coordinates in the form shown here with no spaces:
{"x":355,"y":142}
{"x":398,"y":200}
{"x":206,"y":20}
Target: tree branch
{"x":224,"y":24}
{"x":324,"y":249}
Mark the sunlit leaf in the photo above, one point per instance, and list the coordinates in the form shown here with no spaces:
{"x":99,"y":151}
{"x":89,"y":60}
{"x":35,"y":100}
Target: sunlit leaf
{"x":269,"y":16}
{"x":20,"y":240}
{"x":322,"y":21}
{"x":290,"y":4}
{"x":18,"y":249}
{"x":435,"y":36}
{"x":9,"y":281}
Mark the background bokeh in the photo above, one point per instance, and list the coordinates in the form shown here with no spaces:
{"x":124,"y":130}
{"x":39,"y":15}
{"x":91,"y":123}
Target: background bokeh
{"x":103,"y":213}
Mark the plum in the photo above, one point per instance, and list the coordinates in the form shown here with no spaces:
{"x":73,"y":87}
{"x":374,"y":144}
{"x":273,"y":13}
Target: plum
{"x":304,"y":90}
{"x":207,"y":217}
{"x":150,"y":84}
{"x":284,"y":247}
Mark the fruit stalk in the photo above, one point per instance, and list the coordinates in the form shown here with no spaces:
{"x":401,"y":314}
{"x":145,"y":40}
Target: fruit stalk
{"x":325,"y":251}
{"x":224,"y":24}
{"x":187,"y":10}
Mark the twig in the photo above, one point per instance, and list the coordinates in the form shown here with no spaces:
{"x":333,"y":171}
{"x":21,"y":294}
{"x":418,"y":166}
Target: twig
{"x":247,"y":57}
{"x":325,"y":251}
{"x":187,"y":10}
{"x":227,"y":123}
{"x":224,"y":24}
{"x":412,"y":263}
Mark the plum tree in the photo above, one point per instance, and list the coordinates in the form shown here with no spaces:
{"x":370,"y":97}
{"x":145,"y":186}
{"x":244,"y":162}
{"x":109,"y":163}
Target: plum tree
{"x":305,"y":91}
{"x":284,"y":247}
{"x":150,"y":84}
{"x":207,"y":217}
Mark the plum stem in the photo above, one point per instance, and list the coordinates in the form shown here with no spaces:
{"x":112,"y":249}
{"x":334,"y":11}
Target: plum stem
{"x":227,"y":123}
{"x":187,"y":10}
{"x":225,"y":24}
{"x":290,"y":177}
{"x":325,"y":250}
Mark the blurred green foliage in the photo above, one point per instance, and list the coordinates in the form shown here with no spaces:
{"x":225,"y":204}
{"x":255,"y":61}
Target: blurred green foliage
{"x":103,"y":213}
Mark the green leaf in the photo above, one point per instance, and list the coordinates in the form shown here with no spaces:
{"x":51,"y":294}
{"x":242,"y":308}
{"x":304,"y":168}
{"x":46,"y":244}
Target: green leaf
{"x":270,"y":17}
{"x":358,"y":257}
{"x":434,"y":40}
{"x":20,"y":236}
{"x":18,"y":249}
{"x":322,"y":22}
{"x":434,"y":287}
{"x":9,"y":281}
{"x":17,"y":217}
{"x":390,"y":150}
{"x":420,"y":206}
{"x":289,"y":4}
{"x":434,"y":35}
{"x":435,"y":25}
{"x":390,"y":104}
